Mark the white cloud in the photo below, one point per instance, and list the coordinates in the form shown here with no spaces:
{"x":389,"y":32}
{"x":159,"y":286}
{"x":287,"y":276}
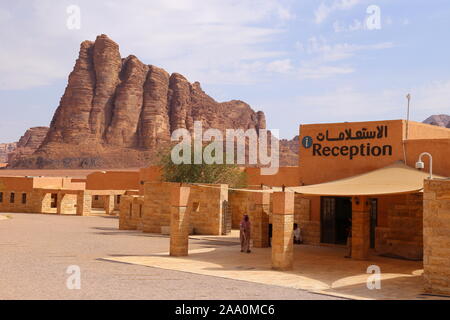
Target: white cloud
{"x":280,"y":66}
{"x":355,"y":26}
{"x":322,"y":71}
{"x":207,"y":41}
{"x":431,"y":98}
{"x":324,"y":10}
{"x":340,"y":51}
{"x":351,"y":104}
{"x":320,"y":55}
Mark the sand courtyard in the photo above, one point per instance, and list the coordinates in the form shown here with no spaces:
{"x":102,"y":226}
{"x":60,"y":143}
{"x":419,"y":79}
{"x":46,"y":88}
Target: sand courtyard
{"x":37,"y":249}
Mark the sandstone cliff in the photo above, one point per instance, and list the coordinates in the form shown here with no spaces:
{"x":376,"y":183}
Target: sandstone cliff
{"x":289,"y":150}
{"x":116,"y":112}
{"x":441,"y":120}
{"x":5,"y":149}
{"x":28,"y":143}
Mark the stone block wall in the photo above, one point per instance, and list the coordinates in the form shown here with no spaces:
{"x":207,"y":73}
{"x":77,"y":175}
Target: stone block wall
{"x":131,"y":212}
{"x":436,"y":236}
{"x":17,"y":206}
{"x":302,"y":216}
{"x":38,"y":201}
{"x":238,"y":202}
{"x":403,"y":234}
{"x":156,"y":212}
{"x":205,"y":208}
{"x":84,"y":203}
{"x":68,"y":203}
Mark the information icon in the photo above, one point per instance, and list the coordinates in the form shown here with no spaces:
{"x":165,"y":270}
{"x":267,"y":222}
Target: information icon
{"x":307,"y":142}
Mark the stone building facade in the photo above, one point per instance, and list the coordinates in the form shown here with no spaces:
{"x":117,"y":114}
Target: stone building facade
{"x":436,"y":236}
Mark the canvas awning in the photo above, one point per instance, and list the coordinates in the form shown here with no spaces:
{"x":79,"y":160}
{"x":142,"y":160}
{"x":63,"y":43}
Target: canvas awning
{"x":394,"y":179}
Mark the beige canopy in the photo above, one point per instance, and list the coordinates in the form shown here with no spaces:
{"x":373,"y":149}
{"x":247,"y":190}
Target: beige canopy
{"x":394,"y":179}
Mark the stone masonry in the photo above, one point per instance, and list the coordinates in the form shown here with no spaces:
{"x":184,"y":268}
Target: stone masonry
{"x":436,"y":236}
{"x":360,"y":228}
{"x":283,"y":231}
{"x":179,"y":221}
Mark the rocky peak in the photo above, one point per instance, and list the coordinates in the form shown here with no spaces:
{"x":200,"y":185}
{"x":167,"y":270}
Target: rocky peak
{"x":118,"y":112}
{"x":441,"y":120}
{"x":28,"y":143}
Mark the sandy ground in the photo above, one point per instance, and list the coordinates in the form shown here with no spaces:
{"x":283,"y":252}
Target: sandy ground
{"x":318,"y":269}
{"x":36,"y":250}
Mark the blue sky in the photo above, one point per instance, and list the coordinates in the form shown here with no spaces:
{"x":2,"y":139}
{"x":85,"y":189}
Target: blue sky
{"x":298,"y":61}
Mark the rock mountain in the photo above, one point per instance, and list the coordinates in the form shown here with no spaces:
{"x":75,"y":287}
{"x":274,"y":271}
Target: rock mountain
{"x":28,"y":144}
{"x":441,"y":120}
{"x":116,"y":112}
{"x":5,"y":150}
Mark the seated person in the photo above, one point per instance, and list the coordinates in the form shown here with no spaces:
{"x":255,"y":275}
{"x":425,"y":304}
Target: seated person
{"x":297,"y":234}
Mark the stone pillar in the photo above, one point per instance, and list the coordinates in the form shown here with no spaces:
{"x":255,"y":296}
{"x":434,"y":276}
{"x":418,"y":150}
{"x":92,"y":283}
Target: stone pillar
{"x":179,"y":221}
{"x":360,"y":228}
{"x":84,"y":204}
{"x":260,"y":219}
{"x":283,"y":231}
{"x":60,"y":203}
{"x":436,"y":236}
{"x":108,"y":204}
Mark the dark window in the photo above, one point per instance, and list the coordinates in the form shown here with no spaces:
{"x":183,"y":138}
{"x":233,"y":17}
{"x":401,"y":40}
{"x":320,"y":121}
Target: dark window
{"x":96,"y":198}
{"x":118,"y":199}
{"x":24,"y":198}
{"x":54,"y":202}
{"x":11,"y":197}
{"x":140,"y":211}
{"x":1,"y":196}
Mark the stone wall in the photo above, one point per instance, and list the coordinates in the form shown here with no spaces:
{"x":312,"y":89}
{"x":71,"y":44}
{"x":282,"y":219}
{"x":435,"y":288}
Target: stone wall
{"x":436,"y":236}
{"x":310,"y":230}
{"x":37,"y":202}
{"x":156,"y":207}
{"x":242,"y":202}
{"x":68,"y":203}
{"x":131,"y":213}
{"x":403,"y":234}
{"x":205,"y":208}
{"x":29,"y":206}
{"x":238,"y":202}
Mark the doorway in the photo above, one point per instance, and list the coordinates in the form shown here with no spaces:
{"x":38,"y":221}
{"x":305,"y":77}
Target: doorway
{"x":336,"y":213}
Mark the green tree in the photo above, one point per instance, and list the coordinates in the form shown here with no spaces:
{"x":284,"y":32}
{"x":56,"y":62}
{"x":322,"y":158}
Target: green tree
{"x":215,"y":173}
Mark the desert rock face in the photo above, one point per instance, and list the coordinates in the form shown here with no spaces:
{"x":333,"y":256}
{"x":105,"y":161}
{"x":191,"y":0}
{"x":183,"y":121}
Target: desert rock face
{"x":289,"y":150}
{"x":28,"y":143}
{"x":5,"y":149}
{"x":117,"y":112}
{"x":441,"y":120}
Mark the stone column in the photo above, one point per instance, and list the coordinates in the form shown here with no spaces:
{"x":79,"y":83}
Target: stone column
{"x":360,"y":228}
{"x":260,"y":220}
{"x":84,"y":204}
{"x":108,"y":204}
{"x":59,"y":203}
{"x":179,"y":221}
{"x":283,"y":231}
{"x":436,"y":236}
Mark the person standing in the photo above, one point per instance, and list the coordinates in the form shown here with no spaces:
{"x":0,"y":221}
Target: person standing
{"x":245,"y":234}
{"x":297,"y":234}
